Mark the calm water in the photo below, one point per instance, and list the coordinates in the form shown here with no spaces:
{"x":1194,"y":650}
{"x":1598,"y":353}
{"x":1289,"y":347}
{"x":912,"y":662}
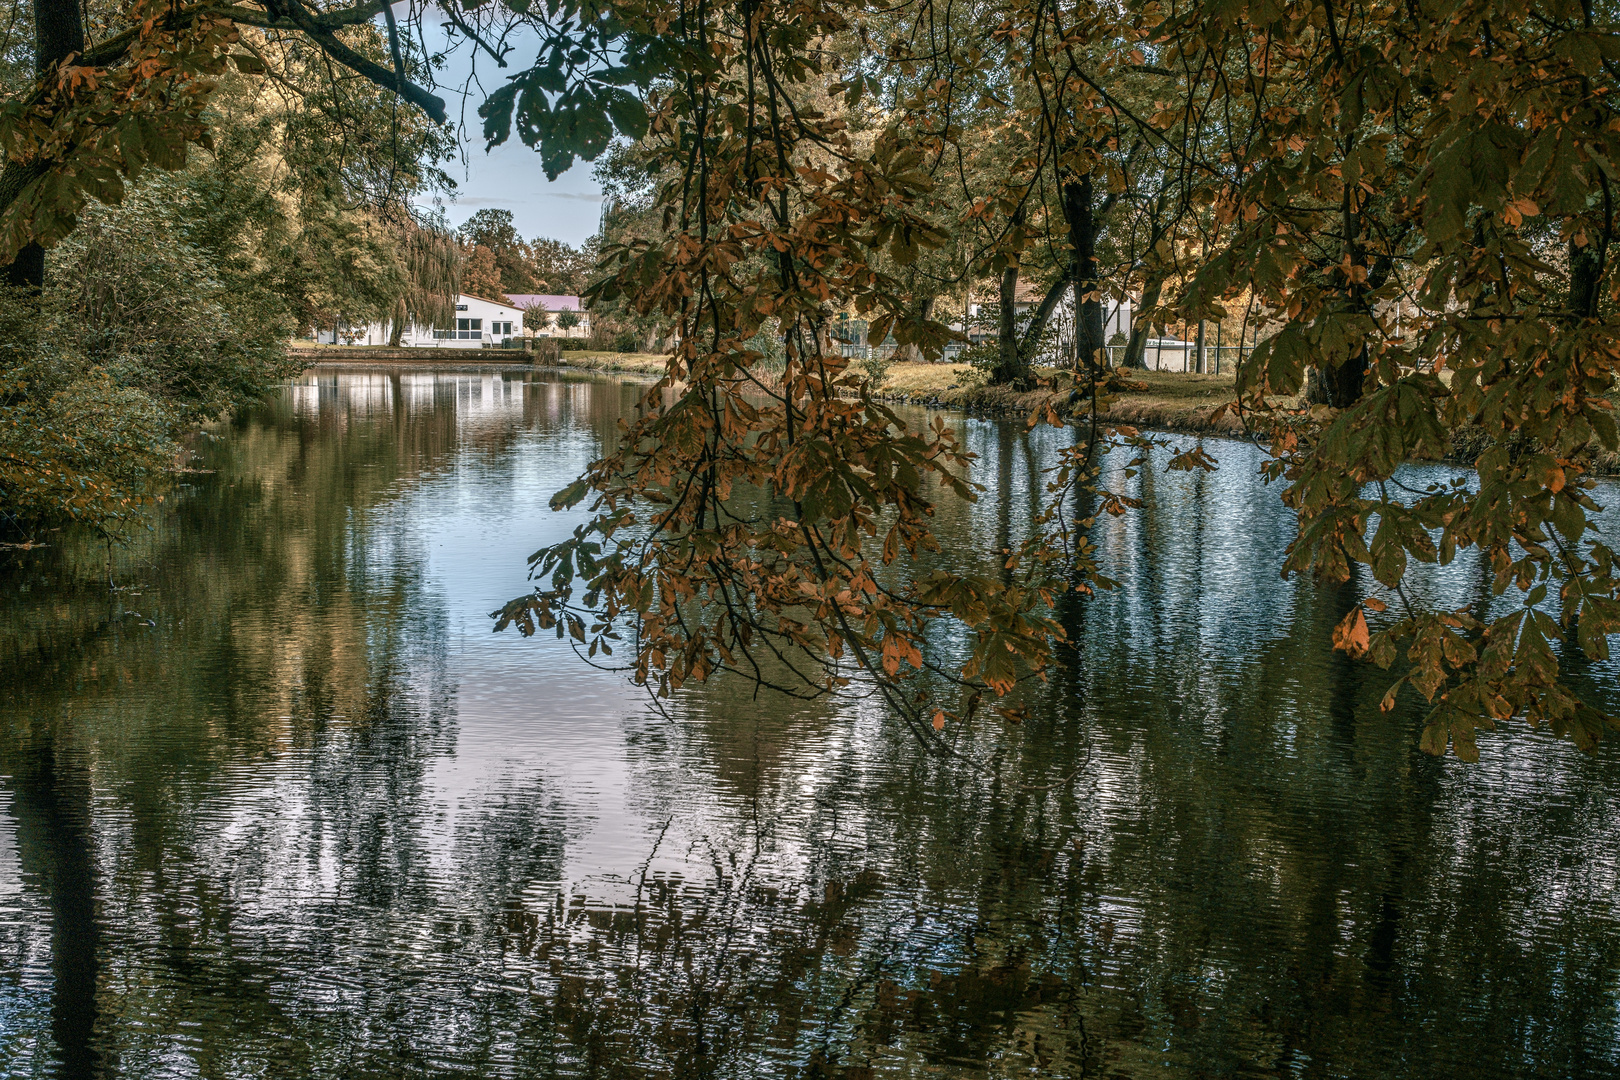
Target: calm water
{"x":281,"y":805}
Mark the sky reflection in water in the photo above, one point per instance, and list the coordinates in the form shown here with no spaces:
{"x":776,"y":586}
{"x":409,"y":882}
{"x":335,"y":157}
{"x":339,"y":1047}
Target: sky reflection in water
{"x":283,"y":806}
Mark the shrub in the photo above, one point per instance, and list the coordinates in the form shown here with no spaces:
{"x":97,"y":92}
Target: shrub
{"x":75,"y":445}
{"x":766,"y":342}
{"x":572,"y":344}
{"x":876,"y":369}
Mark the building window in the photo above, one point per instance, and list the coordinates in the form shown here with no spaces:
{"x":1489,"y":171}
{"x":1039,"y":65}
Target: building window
{"x":466,"y":330}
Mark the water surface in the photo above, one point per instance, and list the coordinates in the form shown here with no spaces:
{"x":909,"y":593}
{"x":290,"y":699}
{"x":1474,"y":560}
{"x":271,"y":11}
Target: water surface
{"x":280,"y":805}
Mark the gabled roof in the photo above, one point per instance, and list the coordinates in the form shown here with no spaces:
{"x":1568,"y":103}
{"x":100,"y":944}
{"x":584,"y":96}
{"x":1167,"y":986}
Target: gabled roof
{"x":549,"y":301}
{"x":489,"y":300}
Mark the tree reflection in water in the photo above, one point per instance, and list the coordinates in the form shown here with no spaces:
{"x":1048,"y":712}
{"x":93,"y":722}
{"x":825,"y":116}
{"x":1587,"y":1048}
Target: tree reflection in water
{"x":304,"y":817}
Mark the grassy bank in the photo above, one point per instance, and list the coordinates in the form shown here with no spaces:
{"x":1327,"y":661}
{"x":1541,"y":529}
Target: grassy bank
{"x":629,"y":363}
{"x":1168,"y":400}
{"x":1157,"y":399}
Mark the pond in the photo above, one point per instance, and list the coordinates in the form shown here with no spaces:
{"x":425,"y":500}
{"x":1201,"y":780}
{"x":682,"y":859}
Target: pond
{"x":278,"y":803}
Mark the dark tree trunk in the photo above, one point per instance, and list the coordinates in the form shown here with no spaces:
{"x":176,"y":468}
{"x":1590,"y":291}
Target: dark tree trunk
{"x":1136,"y":345}
{"x":58,"y":34}
{"x":1341,"y":386}
{"x":1084,"y":225}
{"x":1585,"y":278}
{"x":910,"y":352}
{"x":1011,"y":366}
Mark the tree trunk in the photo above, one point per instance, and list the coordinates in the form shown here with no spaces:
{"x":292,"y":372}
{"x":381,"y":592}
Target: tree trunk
{"x":1084,"y":225}
{"x":1340,"y":387}
{"x":1585,"y":278}
{"x":1011,"y":367}
{"x":1136,"y":345}
{"x":1198,"y":350}
{"x":397,"y":331}
{"x":910,"y":352}
{"x":58,"y":33}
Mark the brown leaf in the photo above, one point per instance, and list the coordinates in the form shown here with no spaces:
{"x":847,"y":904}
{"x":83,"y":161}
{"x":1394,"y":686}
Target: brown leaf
{"x":1351,"y":634}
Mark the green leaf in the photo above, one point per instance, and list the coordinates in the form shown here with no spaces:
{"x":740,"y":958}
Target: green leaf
{"x":628,"y":113}
{"x":496,"y":112}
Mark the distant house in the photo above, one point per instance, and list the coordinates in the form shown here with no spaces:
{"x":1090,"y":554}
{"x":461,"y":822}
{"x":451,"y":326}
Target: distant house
{"x":480,"y":324}
{"x":554,"y":305}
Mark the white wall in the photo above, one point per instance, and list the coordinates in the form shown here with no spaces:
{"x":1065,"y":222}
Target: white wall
{"x":489,"y":316}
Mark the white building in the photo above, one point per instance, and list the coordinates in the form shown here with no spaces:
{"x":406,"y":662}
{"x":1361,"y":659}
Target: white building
{"x":480,"y":324}
{"x":1116,"y":317}
{"x":554,"y":305}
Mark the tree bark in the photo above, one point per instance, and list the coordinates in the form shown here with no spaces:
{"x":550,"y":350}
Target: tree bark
{"x":1084,"y":225}
{"x":1011,"y":367}
{"x":1136,"y":344}
{"x":1340,"y":387}
{"x":58,"y":34}
{"x":396,"y":331}
{"x":1585,"y":278}
{"x":910,"y":352}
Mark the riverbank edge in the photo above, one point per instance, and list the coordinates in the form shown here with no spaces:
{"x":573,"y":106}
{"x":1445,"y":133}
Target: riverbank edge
{"x":1171,"y":402}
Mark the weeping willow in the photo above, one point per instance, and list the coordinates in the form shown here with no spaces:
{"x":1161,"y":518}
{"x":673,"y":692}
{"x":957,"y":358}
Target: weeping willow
{"x":430,"y":265}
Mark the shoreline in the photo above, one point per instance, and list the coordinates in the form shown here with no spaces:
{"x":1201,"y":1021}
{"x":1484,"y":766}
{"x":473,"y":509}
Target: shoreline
{"x":1171,"y":401}
{"x":1167,"y":401}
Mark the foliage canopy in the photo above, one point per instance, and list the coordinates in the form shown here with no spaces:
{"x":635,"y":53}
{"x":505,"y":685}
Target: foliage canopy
{"x":1412,"y":198}
{"x":1410,"y":202}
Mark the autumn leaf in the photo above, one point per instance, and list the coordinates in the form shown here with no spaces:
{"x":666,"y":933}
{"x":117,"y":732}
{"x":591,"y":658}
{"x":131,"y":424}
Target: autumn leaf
{"x":1351,"y":634}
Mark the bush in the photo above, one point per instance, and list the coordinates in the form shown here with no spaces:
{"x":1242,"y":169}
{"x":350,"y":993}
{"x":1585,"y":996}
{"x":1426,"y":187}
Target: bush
{"x":155,"y":310}
{"x":772,"y":353}
{"x":572,"y":344}
{"x":876,"y":369}
{"x":151,"y":319}
{"x":626,"y":341}
{"x":76,"y":446}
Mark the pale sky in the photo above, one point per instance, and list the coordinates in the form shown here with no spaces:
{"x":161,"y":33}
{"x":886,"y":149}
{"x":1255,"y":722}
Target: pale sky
{"x":509,"y":177}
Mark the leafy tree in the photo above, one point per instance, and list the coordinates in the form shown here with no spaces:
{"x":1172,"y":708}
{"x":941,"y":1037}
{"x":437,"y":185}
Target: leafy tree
{"x":536,"y":317}
{"x":157,"y":311}
{"x":480,"y":275}
{"x":560,"y":269}
{"x":493,"y":231}
{"x":1418,"y":203}
{"x":175,"y":304}
{"x":1460,"y":142}
{"x":1413,"y":196}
